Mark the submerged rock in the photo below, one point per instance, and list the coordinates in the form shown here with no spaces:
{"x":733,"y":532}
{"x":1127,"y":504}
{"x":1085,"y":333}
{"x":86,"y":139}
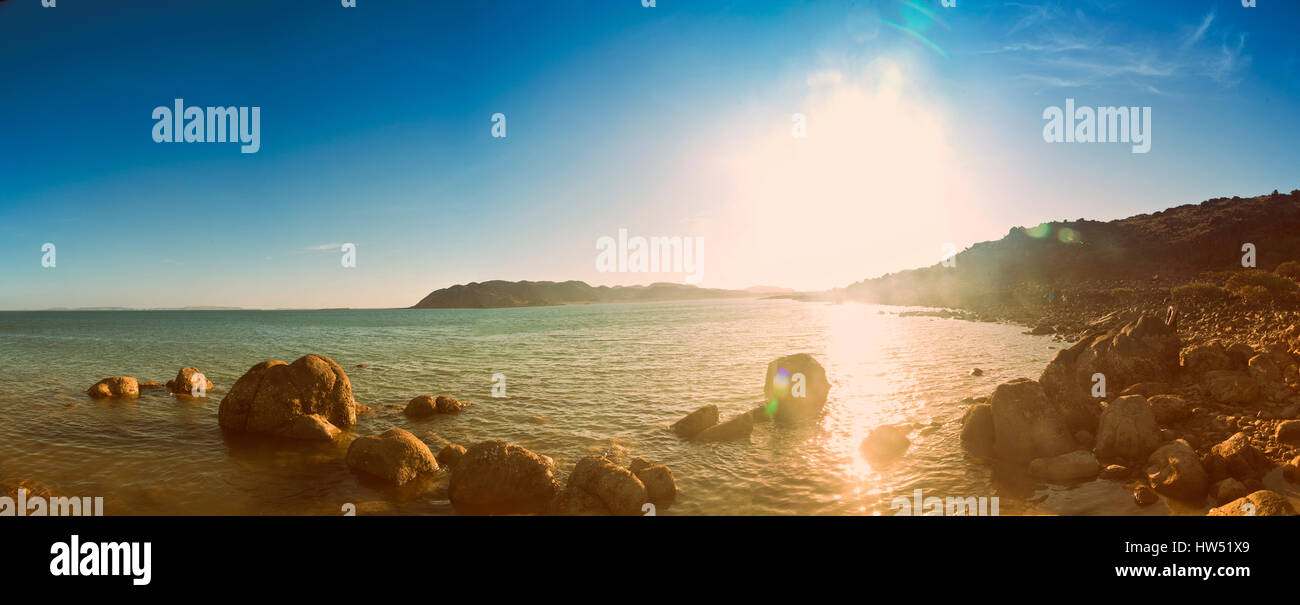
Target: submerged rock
{"x":1128,"y":429}
{"x":1175,"y":470}
{"x":695,"y":422}
{"x":117,"y":386}
{"x":1262,"y":503}
{"x":395,"y":455}
{"x":739,"y":427}
{"x":312,"y":427}
{"x":884,"y":442}
{"x":448,"y":405}
{"x":796,"y":399}
{"x":187,"y":382}
{"x":599,"y":486}
{"x":1025,"y":425}
{"x":502,"y":478}
{"x":271,"y":394}
{"x":1073,"y":466}
{"x":660,"y":485}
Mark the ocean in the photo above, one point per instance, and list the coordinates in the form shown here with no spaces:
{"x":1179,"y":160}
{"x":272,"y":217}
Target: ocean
{"x":578,"y":380}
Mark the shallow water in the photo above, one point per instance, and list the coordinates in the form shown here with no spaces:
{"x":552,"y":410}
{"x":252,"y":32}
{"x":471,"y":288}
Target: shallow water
{"x":579,"y":379}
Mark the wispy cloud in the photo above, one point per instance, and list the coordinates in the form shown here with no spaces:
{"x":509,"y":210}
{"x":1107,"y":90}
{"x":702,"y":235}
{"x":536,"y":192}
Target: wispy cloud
{"x":1198,"y":34}
{"x":322,"y":247}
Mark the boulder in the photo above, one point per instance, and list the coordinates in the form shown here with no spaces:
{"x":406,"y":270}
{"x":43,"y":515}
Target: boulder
{"x":1145,"y":496}
{"x":1239,"y":459}
{"x":1231,"y":386}
{"x":1025,"y":424}
{"x":117,"y":386}
{"x":884,"y":442}
{"x":187,"y":382}
{"x":1145,"y":350}
{"x":1073,"y":466}
{"x":1128,"y":430}
{"x":977,"y":429}
{"x":1175,"y":470}
{"x":271,"y":394}
{"x":394,"y":455}
{"x":1207,"y":357}
{"x":499,"y":477}
{"x":616,"y":488}
{"x":1263,"y":368}
{"x":660,"y":485}
{"x":1262,"y":503}
{"x":1169,"y":409}
{"x":1240,"y":354}
{"x":449,"y":455}
{"x":1288,"y":431}
{"x":449,"y":405}
{"x":695,"y":422}
{"x":1228,"y":490}
{"x":421,"y":406}
{"x":738,"y":427}
{"x":312,"y":427}
{"x":794,"y":400}
{"x":1291,"y":471}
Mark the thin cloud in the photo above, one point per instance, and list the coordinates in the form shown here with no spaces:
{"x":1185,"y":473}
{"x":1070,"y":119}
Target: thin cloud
{"x":1199,"y":33}
{"x":322,"y":247}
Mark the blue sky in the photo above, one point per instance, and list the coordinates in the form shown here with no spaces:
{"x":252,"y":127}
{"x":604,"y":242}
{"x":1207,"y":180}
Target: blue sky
{"x":923,"y":127}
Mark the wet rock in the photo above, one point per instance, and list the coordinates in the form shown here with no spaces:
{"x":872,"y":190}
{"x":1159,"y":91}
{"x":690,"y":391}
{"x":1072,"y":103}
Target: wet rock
{"x":977,"y":429}
{"x":312,"y":427}
{"x":271,"y":394}
{"x":796,"y":400}
{"x":1145,"y":496}
{"x":117,"y":386}
{"x":977,"y":372}
{"x":1169,"y":409}
{"x":695,"y":422}
{"x":1291,"y":471}
{"x":1025,"y":425}
{"x":449,"y":405}
{"x":1148,"y":389}
{"x":884,"y":442}
{"x":1128,"y":430}
{"x":499,"y":477}
{"x":739,"y":427}
{"x":449,"y":455}
{"x":618,"y":491}
{"x":1288,"y":432}
{"x":1175,"y":470}
{"x":1073,"y":466}
{"x":152,"y":384}
{"x":1231,"y":387}
{"x":660,"y":485}
{"x":1262,"y":503}
{"x":1239,"y":459}
{"x":187,"y":382}
{"x":1228,"y":490}
{"x":395,"y":455}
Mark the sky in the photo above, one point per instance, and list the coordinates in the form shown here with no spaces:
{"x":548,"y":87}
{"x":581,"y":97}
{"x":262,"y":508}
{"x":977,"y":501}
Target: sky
{"x":806,"y":144}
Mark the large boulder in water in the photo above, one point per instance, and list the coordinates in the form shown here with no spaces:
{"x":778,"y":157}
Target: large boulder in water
{"x":117,"y":386}
{"x":272,"y":394}
{"x":1128,"y":430}
{"x":977,"y":429}
{"x":1145,"y":350}
{"x":799,"y":386}
{"x":1025,"y":424}
{"x":885,"y":442}
{"x":187,"y":382}
{"x":1175,"y":470}
{"x":395,"y":455}
{"x":739,"y":427}
{"x":598,"y":486}
{"x":496,"y":477}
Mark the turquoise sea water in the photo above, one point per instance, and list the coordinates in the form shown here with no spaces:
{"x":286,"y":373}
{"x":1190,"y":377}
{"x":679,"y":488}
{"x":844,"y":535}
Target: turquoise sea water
{"x":579,"y":379}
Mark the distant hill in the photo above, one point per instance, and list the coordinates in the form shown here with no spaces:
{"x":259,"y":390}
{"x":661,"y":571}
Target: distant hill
{"x":1171,"y":246}
{"x":498,"y":294}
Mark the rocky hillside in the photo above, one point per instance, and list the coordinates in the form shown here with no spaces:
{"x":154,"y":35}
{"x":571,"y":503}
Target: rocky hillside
{"x":1160,"y":250}
{"x":498,"y":294}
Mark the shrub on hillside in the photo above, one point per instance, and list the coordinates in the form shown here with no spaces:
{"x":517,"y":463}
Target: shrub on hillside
{"x":1290,"y":269}
{"x":1200,"y":291}
{"x":1255,"y":285}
